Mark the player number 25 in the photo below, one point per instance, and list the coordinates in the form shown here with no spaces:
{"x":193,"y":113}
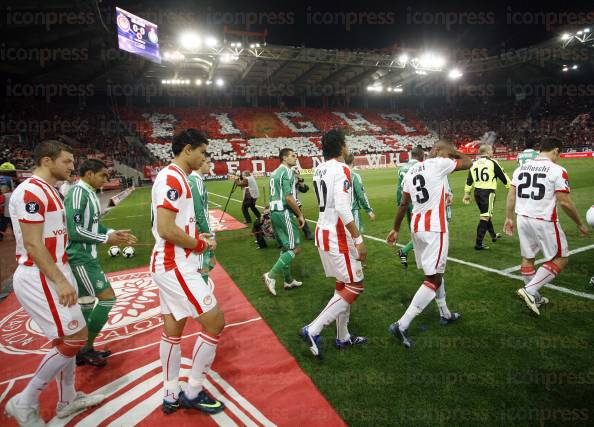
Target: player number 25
{"x":531,"y":181}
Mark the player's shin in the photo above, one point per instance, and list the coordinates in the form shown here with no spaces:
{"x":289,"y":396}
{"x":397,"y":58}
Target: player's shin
{"x":528,"y":273}
{"x":481,"y":230}
{"x":202,"y":357}
{"x":545,"y":274}
{"x":440,"y":299}
{"x":284,"y":259}
{"x":170,"y":353}
{"x":342,"y":321}
{"x":337,"y":305}
{"x":65,"y":382}
{"x":422,"y":298}
{"x":98,"y":319}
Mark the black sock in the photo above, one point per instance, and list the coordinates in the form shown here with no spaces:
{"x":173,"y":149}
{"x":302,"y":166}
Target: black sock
{"x":480,"y":232}
{"x":491,"y":229}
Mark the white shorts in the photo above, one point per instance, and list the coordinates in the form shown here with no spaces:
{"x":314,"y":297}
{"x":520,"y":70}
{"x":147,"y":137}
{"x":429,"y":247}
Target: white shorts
{"x":345,"y":268}
{"x":431,"y":251}
{"x":184,"y":294}
{"x":39,"y":298}
{"x":536,"y":235}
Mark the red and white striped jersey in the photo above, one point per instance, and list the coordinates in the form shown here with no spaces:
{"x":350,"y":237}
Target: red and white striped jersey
{"x":35,"y":201}
{"x":537,"y":182}
{"x":333,"y":188}
{"x":427,"y":184}
{"x":171,"y":190}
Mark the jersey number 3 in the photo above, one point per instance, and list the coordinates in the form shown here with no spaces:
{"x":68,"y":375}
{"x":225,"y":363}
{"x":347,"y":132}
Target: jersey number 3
{"x":422,"y":194}
{"x":531,"y":181}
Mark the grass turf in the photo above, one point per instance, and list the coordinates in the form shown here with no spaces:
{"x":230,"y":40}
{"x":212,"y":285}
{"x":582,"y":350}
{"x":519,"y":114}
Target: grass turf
{"x":499,"y":365}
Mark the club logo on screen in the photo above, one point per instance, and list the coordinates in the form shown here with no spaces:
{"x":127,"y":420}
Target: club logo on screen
{"x":32,"y":207}
{"x":123,"y":23}
{"x":172,"y":194}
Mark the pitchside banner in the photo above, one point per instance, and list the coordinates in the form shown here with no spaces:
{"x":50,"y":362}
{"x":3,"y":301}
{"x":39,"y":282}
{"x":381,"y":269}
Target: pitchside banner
{"x":137,"y":35}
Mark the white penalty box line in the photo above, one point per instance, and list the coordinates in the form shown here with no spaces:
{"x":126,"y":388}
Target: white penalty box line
{"x":503,"y":273}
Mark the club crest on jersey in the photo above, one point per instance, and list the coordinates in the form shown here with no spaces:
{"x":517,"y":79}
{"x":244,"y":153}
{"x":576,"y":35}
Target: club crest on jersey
{"x":32,"y":207}
{"x":172,"y":194}
{"x":346,"y":186}
{"x":77,"y":218}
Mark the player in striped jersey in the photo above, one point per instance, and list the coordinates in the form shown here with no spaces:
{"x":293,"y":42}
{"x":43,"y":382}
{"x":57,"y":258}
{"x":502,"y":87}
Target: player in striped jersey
{"x":206,"y":260}
{"x":182,"y":291}
{"x":85,"y":232}
{"x":44,"y":285}
{"x":425,"y":185}
{"x":360,"y":200}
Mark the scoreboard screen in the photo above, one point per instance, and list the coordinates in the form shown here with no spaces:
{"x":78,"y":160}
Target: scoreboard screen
{"x":137,"y":35}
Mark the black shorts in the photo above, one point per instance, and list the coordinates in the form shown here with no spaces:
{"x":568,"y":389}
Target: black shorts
{"x":485,"y":200}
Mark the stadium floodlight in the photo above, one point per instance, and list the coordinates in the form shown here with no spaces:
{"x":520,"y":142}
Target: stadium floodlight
{"x":220,"y":82}
{"x":398,"y":90}
{"x":403,"y":59}
{"x":565,"y":36}
{"x":421,"y":72}
{"x":574,"y":67}
{"x":210,"y":41}
{"x":208,"y":82}
{"x":454,"y":74}
{"x":190,"y":40}
{"x":228,"y":57}
{"x":586,"y":30}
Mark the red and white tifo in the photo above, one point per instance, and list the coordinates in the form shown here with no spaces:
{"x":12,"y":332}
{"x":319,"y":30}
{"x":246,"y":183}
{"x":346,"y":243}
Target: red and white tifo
{"x":259,"y":381}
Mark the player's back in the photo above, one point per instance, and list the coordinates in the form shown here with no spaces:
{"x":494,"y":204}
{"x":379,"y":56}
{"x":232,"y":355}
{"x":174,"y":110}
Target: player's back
{"x":35,"y":201}
{"x":427,"y":184}
{"x":537,"y":182}
{"x":333,"y":188}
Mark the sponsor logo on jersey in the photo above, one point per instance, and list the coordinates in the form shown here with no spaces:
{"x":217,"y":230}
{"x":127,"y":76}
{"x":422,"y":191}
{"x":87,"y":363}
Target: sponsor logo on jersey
{"x":73,"y":324}
{"x":346,"y":186}
{"x":77,"y":218}
{"x":32,"y":207}
{"x":172,"y":194}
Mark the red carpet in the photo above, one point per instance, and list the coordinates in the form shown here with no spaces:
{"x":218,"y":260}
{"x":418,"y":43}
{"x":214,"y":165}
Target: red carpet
{"x":257,"y":378}
{"x":224,"y":223}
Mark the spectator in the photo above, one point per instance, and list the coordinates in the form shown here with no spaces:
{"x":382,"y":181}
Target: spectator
{"x":5,"y":193}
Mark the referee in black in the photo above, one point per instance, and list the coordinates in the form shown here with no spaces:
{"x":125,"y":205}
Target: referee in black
{"x":483,"y":176}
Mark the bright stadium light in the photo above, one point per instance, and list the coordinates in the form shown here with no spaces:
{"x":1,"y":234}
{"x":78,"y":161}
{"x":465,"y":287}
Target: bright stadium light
{"x":565,"y":36}
{"x":575,"y":67}
{"x":586,"y":30}
{"x":403,"y":58}
{"x":210,"y":41}
{"x":219,"y":82}
{"x":454,"y":74}
{"x":228,"y":57}
{"x":198,"y":82}
{"x":190,"y":40}
{"x":398,"y":89}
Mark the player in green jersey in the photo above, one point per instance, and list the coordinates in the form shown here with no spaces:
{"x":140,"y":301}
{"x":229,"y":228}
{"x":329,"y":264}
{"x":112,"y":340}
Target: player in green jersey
{"x":360,"y":200}
{"x":529,"y":153}
{"x":85,"y":232}
{"x":206,"y":260}
{"x":416,"y":155}
{"x":283,"y":212}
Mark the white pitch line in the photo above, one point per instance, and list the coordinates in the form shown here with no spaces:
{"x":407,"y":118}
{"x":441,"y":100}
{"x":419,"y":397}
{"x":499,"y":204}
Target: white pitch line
{"x":474,"y":265}
{"x":540,"y":261}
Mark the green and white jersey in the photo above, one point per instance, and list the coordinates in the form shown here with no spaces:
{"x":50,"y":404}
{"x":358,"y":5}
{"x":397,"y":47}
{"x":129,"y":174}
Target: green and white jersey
{"x":282,"y":182}
{"x":200,"y":198}
{"x":528,"y":154}
{"x":360,"y":200}
{"x":402,"y":170}
{"x":83,"y":212}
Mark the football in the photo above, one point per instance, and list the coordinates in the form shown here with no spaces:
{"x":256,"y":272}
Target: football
{"x":590,"y":216}
{"x":128,"y":252}
{"x":113,"y":251}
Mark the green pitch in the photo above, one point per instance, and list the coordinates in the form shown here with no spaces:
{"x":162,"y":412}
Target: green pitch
{"x":499,"y":365}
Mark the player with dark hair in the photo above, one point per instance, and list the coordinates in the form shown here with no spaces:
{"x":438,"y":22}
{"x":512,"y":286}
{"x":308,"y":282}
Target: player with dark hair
{"x":283,"y":213}
{"x":85,"y":232}
{"x":44,"y":285}
{"x":182,"y":290}
{"x":425,"y":186}
{"x":537,"y":187}
{"x":340,"y":245}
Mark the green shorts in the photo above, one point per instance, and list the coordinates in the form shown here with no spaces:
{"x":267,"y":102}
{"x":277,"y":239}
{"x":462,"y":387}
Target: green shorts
{"x":90,"y":278}
{"x":285,"y":229}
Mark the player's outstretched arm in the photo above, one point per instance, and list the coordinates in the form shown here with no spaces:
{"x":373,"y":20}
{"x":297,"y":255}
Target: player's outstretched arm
{"x":33,"y":242}
{"x":564,"y":199}
{"x":169,"y":231}
{"x":510,"y":207}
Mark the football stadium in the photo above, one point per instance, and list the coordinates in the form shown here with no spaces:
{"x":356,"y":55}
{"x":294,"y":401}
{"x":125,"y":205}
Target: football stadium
{"x":251,"y":213}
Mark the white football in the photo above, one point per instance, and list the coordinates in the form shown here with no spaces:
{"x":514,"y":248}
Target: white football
{"x":128,"y":252}
{"x":113,"y":251}
{"x":590,"y":216}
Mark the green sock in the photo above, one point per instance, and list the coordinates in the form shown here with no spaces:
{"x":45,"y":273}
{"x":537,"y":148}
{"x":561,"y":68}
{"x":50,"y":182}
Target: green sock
{"x":87,"y":309}
{"x":205,"y":277}
{"x":287,"y":273}
{"x":406,"y":249}
{"x":98,"y":319}
{"x":284,"y":259}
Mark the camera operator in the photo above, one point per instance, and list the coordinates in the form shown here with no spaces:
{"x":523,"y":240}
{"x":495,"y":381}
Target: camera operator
{"x":251,"y":193}
{"x":301,"y":187}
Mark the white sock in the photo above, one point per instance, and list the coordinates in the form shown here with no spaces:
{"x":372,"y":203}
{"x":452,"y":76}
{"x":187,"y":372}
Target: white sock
{"x":528,"y":273}
{"x":170,"y":352}
{"x":52,"y":363}
{"x":203,"y":355}
{"x":422,"y":298}
{"x":546,"y":273}
{"x":342,"y":325}
{"x":65,"y":380}
{"x":440,"y":299}
{"x":335,"y":306}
